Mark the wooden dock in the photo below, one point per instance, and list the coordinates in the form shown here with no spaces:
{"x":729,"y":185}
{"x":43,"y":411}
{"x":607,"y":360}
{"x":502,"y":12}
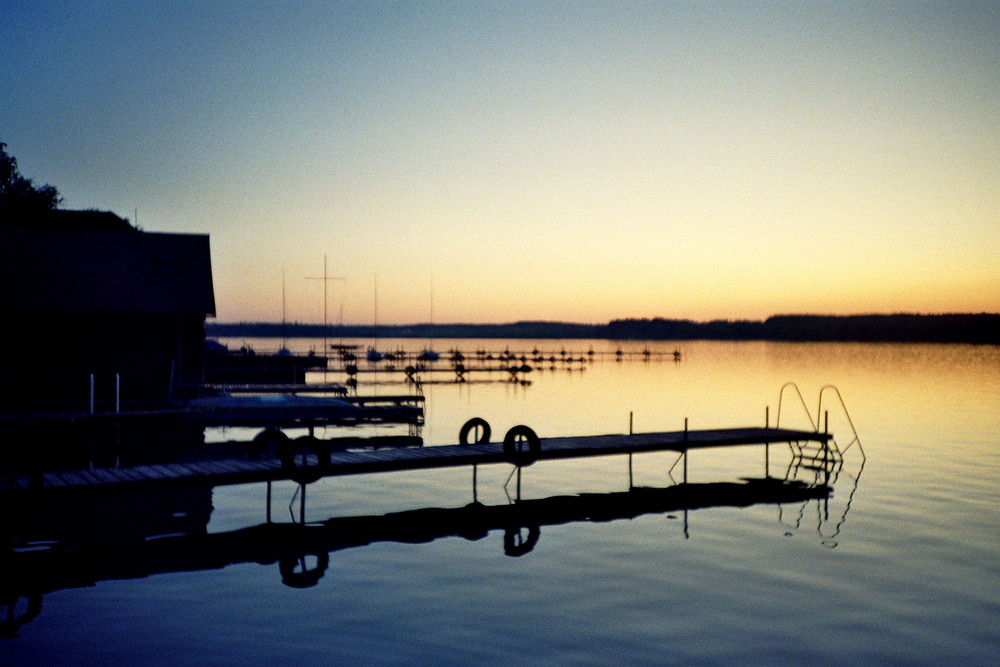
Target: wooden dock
{"x":402,"y":408}
{"x":315,"y":461}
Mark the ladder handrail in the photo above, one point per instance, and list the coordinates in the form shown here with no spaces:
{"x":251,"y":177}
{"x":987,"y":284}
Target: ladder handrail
{"x":781,"y":394}
{"x":843,"y":406}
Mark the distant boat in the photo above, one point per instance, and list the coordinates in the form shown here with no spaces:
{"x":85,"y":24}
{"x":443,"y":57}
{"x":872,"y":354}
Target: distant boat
{"x":374,"y":355}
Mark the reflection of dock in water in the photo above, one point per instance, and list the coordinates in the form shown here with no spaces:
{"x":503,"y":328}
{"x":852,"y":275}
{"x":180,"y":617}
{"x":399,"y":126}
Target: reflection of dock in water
{"x":72,"y":541}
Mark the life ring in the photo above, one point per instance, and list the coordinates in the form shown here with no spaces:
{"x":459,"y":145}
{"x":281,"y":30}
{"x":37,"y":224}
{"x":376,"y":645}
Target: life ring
{"x":477,"y":424}
{"x":295,"y":459}
{"x":268,"y":442}
{"x":521,"y":446}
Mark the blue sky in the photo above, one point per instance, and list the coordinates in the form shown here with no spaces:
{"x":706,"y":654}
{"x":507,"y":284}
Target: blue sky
{"x":554,"y":160}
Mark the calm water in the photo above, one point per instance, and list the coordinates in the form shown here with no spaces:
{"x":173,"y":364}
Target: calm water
{"x":901,"y":565}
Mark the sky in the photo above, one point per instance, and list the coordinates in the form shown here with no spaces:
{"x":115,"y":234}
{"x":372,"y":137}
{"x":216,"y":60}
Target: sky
{"x":490,"y":162}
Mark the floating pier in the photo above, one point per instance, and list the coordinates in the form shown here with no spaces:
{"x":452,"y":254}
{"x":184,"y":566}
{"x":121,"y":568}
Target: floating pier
{"x":308,"y":459}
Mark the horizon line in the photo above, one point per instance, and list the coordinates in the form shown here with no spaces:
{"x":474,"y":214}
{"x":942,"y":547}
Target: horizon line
{"x":598,"y":324}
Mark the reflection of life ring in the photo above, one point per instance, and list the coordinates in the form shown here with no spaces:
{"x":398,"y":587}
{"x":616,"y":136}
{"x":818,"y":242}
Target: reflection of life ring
{"x":478,"y":424}
{"x":13,"y":621}
{"x":521,"y":446}
{"x":294,"y":576}
{"x":295,"y":459}
{"x":516,"y":543}
{"x":267,"y":443}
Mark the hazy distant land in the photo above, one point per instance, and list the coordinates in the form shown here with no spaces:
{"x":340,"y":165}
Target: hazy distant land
{"x":954,"y":328}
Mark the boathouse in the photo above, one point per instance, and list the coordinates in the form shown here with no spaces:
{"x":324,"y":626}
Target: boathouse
{"x":86,"y":294}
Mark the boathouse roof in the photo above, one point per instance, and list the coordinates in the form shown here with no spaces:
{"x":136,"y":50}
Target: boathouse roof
{"x":103,"y":268}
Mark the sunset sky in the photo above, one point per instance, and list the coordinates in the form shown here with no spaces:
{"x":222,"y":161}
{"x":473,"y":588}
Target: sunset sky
{"x":543,"y":160}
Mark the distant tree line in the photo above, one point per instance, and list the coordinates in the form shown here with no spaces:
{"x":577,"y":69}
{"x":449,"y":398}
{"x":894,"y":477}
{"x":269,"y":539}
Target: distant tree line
{"x":957,"y":328}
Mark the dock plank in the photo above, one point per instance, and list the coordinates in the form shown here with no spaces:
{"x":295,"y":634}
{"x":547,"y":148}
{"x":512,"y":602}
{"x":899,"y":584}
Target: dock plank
{"x":122,"y":475}
{"x":105,"y":476}
{"x":200,"y":468}
{"x":187,"y":469}
{"x":72,"y":478}
{"x":149,"y":473}
{"x":223,"y":467}
{"x":52,"y":480}
{"x":129,"y":474}
{"x":167,"y":469}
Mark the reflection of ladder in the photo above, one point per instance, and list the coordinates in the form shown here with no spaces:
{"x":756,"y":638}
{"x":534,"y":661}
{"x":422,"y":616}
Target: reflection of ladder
{"x":818,"y":456}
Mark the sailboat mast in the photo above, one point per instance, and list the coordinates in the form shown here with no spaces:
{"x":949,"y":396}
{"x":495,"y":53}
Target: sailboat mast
{"x":326,"y":349}
{"x":326,"y":278}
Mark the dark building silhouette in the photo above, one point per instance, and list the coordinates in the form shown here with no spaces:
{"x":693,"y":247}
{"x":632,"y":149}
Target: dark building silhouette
{"x":85,"y":293}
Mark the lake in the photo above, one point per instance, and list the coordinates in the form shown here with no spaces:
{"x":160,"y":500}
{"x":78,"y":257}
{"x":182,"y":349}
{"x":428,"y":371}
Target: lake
{"x":899,"y":564}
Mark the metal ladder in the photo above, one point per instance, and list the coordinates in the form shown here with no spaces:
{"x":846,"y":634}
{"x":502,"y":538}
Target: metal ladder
{"x":825,"y":458}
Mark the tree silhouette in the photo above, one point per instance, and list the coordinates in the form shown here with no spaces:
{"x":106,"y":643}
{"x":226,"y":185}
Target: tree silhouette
{"x":18,"y":195}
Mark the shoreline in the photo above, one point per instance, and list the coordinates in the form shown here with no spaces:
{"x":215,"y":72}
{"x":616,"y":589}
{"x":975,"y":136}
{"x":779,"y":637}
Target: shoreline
{"x":981,"y":328}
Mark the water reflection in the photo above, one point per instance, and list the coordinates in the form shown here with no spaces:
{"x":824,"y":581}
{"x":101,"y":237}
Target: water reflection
{"x":71,"y":541}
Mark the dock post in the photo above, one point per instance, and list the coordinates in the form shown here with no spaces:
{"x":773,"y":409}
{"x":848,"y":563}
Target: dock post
{"x":475,"y":470}
{"x":685,"y":428}
{"x":91,"y":393}
{"x":826,"y":462}
{"x":685,"y":466}
{"x":302,"y":505}
{"x":118,"y":421}
{"x":630,"y":422}
{"x":269,"y":501}
{"x":630,"y":471}
{"x":767,"y":416}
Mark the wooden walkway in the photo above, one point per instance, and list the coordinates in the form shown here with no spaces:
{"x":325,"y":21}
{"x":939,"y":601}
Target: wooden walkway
{"x":402,"y":406}
{"x":241,"y":471}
